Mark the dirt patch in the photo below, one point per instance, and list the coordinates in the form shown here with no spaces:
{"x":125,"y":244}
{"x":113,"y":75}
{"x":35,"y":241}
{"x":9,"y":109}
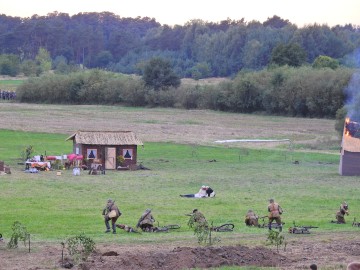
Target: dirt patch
{"x":187,"y":257}
{"x":300,"y":252}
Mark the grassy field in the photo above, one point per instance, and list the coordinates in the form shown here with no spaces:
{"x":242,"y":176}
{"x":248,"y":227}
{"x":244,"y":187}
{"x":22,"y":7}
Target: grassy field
{"x":54,"y":207}
{"x":180,"y":152}
{"x":10,"y":84}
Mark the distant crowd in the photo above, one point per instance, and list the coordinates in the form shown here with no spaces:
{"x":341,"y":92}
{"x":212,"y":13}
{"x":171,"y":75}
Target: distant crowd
{"x":7,"y":95}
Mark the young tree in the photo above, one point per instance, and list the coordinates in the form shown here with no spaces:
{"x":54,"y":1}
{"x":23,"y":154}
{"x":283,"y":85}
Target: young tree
{"x":43,"y":59}
{"x":159,"y":75}
{"x":323,"y":61}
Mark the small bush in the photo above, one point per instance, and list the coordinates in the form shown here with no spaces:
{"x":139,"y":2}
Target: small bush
{"x":80,"y":247}
{"x":19,"y":233}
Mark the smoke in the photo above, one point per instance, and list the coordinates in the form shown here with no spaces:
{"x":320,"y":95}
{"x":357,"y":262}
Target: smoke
{"x":352,"y":91}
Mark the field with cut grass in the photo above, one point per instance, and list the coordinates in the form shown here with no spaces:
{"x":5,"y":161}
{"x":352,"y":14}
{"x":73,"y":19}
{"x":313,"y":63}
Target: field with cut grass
{"x":180,"y":152}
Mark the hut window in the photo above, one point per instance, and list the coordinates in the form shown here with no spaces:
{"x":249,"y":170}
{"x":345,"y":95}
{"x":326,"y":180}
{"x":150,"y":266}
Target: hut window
{"x":91,"y":153}
{"x":127,"y":153}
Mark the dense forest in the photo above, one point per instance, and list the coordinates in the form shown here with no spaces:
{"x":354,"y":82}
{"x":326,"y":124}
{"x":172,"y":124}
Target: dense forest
{"x":196,"y":50}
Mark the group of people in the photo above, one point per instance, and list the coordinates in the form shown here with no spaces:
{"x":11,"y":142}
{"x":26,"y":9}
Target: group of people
{"x":146,"y":222}
{"x":275,"y":211}
{"x":111,"y":212}
{"x":7,"y":95}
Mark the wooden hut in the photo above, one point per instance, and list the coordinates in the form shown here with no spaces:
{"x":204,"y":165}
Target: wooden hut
{"x":105,"y":147}
{"x":350,"y":149}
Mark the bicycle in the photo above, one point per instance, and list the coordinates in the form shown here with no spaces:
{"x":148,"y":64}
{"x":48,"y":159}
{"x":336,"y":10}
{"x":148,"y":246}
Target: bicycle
{"x":227,"y":227}
{"x":166,"y":228}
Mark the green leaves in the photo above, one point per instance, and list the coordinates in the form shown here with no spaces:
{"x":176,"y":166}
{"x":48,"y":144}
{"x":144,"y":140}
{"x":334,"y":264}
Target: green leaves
{"x":19,"y":234}
{"x":80,"y":247}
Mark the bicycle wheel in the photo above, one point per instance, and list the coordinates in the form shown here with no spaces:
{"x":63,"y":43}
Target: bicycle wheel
{"x":225,"y":228}
{"x":173,"y":226}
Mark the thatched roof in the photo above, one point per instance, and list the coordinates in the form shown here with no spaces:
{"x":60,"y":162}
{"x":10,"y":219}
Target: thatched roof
{"x":350,"y":144}
{"x":105,"y":138}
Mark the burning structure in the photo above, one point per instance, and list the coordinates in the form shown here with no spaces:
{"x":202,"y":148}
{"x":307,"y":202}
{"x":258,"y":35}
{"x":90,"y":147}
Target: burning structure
{"x":350,"y":149}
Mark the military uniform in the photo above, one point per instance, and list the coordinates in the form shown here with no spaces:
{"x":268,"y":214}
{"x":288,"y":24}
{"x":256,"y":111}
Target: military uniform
{"x":275,"y":211}
{"x":199,"y":218}
{"x":146,"y":221}
{"x":340,"y":215}
{"x":251,"y":219}
{"x":111,"y":212}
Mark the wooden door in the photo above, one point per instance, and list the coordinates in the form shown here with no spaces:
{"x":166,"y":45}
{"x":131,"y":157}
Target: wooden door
{"x":110,"y":158}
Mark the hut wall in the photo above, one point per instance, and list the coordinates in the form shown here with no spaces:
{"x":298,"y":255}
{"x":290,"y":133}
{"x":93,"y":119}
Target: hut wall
{"x":129,"y":152}
{"x":349,"y":163}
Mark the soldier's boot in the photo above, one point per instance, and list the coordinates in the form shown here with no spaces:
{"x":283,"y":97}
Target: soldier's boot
{"x":114,"y":228}
{"x":107,"y":225}
{"x":280,"y":228}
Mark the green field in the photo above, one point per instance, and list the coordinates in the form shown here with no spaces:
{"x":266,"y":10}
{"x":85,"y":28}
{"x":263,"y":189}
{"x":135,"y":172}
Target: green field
{"x":55,"y":207}
{"x":10,"y":85}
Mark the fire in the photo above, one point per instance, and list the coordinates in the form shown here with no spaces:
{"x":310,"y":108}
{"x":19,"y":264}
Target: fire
{"x":346,"y":129}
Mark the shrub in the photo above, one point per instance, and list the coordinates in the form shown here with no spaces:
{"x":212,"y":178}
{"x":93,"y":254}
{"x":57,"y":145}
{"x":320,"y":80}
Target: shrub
{"x":80,"y":247}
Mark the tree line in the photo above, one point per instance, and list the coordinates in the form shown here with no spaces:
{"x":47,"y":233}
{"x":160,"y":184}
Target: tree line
{"x":303,"y":91}
{"x":197,"y":49}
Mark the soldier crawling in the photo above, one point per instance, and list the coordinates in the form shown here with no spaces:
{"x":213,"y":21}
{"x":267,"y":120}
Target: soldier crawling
{"x":251,"y":219}
{"x":340,"y":215}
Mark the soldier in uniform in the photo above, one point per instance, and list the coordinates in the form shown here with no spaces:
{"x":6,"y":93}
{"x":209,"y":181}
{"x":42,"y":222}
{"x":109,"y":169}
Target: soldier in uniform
{"x":340,"y":215}
{"x":251,"y":219}
{"x":146,"y":221}
{"x":111,"y":212}
{"x":199,"y":218}
{"x":275,"y":211}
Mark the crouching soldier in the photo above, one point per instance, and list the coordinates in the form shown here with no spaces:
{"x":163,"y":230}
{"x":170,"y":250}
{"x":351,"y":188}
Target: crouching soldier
{"x":340,"y":215}
{"x":111,"y":212}
{"x":146,"y":221}
{"x":251,"y":219}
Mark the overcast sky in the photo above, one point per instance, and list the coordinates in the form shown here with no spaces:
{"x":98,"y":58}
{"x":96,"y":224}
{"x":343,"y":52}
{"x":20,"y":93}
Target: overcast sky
{"x":330,"y":12}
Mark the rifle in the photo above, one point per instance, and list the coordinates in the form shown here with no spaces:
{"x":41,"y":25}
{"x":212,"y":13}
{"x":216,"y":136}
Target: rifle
{"x":301,"y":229}
{"x":309,"y":227}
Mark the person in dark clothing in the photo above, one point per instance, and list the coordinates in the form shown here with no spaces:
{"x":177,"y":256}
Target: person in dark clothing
{"x":111,"y":212}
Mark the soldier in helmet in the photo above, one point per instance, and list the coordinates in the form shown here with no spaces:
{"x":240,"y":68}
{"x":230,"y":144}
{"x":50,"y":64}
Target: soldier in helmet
{"x":146,"y":221}
{"x":111,"y":212}
{"x":251,"y":219}
{"x":275,"y":211}
{"x":340,"y":215}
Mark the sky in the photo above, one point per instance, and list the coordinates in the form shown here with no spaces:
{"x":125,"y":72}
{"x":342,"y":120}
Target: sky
{"x":171,"y":12}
